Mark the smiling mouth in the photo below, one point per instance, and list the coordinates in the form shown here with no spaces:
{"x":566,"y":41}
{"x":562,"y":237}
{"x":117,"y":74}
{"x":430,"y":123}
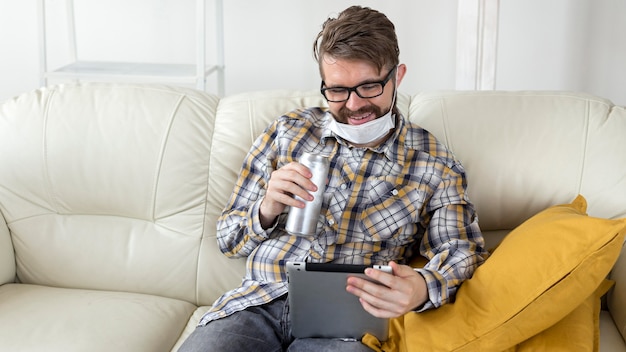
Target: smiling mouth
{"x":360,"y":119}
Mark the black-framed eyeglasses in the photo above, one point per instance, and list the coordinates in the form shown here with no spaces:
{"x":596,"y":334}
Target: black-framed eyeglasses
{"x":364,"y":90}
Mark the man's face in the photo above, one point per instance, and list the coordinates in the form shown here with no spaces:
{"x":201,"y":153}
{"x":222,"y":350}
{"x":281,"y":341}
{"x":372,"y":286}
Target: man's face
{"x":356,"y":110}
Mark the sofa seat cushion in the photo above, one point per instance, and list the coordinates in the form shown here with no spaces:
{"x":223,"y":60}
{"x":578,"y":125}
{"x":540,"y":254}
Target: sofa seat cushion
{"x":610,"y":338}
{"x":191,"y":325}
{"x":57,"y":319}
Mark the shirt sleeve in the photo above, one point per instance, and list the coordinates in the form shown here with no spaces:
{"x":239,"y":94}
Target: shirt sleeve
{"x":453,"y":242}
{"x":239,"y":229}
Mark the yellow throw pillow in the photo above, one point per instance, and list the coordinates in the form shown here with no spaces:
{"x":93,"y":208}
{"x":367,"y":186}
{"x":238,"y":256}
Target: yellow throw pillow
{"x":541,"y":272}
{"x":578,"y":331}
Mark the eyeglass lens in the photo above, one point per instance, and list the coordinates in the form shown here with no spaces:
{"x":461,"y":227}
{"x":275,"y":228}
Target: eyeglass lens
{"x":367,"y":90}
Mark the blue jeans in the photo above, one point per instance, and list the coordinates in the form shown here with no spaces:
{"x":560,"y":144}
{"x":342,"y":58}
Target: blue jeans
{"x":260,"y":329}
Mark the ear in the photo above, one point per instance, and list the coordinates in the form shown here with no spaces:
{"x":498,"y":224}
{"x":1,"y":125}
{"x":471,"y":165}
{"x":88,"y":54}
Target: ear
{"x":400,"y":72}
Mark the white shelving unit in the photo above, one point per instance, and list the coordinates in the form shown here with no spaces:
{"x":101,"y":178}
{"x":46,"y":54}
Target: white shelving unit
{"x":196,"y":73}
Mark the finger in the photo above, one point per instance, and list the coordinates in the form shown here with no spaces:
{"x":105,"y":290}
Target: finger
{"x":391,"y":279}
{"x":278,"y":201}
{"x":377,"y":312}
{"x":288,"y":182}
{"x":368,"y":286}
{"x":288,"y":187}
{"x":376,"y":295}
{"x":380,"y":276}
{"x":379,"y":306}
{"x":301,"y":169}
{"x":298,"y":172}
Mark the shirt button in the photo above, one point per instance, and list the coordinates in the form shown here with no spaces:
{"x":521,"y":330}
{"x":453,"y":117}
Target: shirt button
{"x":394,"y":192}
{"x":343,"y":186}
{"x":331,"y":222}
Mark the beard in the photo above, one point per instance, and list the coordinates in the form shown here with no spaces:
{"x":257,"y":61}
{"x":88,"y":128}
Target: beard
{"x":344,"y":113}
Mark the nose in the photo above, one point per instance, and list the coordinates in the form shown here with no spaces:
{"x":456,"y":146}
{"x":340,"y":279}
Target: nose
{"x":355,"y":102}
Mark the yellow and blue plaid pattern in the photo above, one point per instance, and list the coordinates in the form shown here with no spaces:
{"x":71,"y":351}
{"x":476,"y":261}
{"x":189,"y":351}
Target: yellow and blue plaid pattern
{"x":404,"y":197}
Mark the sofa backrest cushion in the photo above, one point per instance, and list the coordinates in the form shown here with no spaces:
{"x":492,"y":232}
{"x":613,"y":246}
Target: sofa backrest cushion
{"x":526,"y":151}
{"x":104,"y":186}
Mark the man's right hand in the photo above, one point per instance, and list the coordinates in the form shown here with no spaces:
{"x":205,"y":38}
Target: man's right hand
{"x":291,"y":179}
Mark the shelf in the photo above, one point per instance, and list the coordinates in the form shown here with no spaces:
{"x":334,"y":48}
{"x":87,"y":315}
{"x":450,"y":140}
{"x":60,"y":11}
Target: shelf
{"x":129,"y":70}
{"x":195,"y":73}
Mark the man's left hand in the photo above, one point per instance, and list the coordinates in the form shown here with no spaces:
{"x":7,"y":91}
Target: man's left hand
{"x":404,"y":290}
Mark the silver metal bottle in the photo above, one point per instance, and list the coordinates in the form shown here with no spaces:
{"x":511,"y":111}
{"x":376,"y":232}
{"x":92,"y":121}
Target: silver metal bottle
{"x":303,"y":221}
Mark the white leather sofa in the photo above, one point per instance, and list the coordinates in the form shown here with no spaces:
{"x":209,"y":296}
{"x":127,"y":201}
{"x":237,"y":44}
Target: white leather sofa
{"x":109,"y":196}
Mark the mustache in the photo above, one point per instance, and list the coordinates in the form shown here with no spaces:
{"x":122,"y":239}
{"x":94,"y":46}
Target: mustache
{"x":345,"y":113}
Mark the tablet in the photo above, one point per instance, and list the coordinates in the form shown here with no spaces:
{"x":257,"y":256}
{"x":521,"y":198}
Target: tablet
{"x":320,"y":306}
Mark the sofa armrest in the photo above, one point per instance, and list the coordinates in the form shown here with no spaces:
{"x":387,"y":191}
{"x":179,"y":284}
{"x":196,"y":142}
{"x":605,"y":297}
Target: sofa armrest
{"x":7,"y":255}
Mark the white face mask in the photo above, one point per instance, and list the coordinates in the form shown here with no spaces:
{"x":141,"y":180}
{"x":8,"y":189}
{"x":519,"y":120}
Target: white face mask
{"x":367,"y":132}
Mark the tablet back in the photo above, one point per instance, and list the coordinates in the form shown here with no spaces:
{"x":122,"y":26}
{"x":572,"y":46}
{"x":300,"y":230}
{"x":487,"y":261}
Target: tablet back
{"x":320,"y":306}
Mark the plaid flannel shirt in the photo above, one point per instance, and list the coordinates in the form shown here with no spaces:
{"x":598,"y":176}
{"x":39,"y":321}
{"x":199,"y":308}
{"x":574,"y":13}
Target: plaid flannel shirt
{"x":380,"y":204}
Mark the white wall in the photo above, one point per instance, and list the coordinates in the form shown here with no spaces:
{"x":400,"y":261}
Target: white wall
{"x":563,"y":45}
{"x":18,"y":40}
{"x":559,"y":44}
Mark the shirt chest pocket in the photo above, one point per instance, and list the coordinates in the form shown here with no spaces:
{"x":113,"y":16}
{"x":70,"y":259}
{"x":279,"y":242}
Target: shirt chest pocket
{"x":391,"y":207}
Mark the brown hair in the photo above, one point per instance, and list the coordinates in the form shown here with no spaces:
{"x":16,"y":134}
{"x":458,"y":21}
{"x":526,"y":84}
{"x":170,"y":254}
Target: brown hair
{"x":358,"y":33}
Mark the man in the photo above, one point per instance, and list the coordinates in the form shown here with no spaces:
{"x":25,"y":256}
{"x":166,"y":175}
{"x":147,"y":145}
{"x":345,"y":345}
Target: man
{"x":392,"y":191}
